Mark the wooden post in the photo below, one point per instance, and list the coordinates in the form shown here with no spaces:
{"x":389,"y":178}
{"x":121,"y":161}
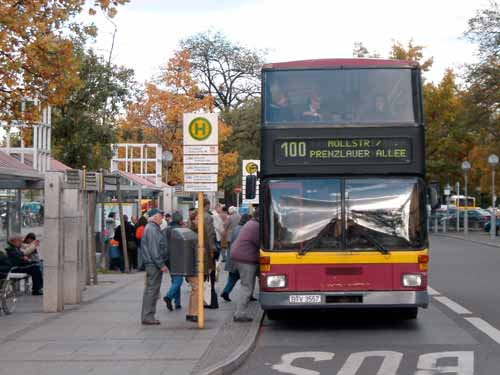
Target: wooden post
{"x":122,"y":225}
{"x":201,"y":251}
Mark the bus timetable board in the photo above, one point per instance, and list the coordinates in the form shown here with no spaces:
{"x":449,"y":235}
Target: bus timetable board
{"x":334,"y":151}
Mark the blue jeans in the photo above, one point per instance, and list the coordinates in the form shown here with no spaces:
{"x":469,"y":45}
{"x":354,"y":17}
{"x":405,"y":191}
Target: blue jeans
{"x":174,"y":293}
{"x":231,"y":282}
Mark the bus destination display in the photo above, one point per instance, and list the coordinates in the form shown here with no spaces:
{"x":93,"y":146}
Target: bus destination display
{"x":343,"y":151}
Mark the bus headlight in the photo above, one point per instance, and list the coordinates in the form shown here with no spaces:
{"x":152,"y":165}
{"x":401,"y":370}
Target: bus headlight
{"x":276,"y":281}
{"x":412,"y":280}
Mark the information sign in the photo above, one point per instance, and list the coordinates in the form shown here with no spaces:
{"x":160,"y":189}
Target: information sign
{"x":201,"y":168}
{"x":194,"y":178}
{"x":197,"y":187}
{"x":250,"y":167}
{"x":334,"y":151}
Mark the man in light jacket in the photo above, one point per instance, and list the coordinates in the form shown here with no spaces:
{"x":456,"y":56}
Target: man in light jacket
{"x":154,"y":257}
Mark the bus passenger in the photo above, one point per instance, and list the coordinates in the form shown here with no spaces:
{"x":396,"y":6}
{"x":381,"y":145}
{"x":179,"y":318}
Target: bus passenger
{"x":279,"y":110}
{"x":312,"y":114}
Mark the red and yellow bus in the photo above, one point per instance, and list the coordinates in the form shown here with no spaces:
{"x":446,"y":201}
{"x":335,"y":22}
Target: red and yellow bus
{"x":342,"y":192}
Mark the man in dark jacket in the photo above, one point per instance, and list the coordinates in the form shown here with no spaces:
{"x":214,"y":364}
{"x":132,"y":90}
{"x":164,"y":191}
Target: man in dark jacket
{"x":245,"y":256}
{"x":18,"y":259}
{"x":131,"y":243}
{"x":154,"y":257}
{"x":174,"y":293}
{"x":211,"y":250}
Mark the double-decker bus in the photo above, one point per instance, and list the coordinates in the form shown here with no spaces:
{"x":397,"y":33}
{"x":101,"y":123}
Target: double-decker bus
{"x":342,"y":196}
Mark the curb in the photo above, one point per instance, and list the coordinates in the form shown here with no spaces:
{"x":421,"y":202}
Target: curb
{"x":240,"y":355}
{"x":467,"y":239}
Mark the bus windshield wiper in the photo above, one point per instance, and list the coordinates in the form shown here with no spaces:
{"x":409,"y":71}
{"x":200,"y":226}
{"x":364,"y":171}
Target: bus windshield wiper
{"x":374,"y":242}
{"x":319,"y":236}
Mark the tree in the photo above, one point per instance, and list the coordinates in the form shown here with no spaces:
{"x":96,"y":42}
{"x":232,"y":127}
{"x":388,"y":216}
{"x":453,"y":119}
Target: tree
{"x":156,"y":116}
{"x":361,"y":51}
{"x":411,"y":52}
{"x":85,"y":124}
{"x":245,"y":140}
{"x":448,"y":139}
{"x":37,"y":57}
{"x":482,"y":99}
{"x":226,"y":71}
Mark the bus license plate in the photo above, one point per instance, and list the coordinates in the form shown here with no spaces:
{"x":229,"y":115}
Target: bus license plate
{"x":307,"y":298}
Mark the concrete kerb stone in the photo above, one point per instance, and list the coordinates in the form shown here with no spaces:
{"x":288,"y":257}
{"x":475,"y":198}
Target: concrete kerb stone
{"x":467,"y":239}
{"x":236,"y":359}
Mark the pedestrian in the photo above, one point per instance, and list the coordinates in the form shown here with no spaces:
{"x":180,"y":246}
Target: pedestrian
{"x":218,"y":216}
{"x":18,"y":259}
{"x":131,"y":243}
{"x":30,"y":246}
{"x":139,"y":231}
{"x":154,"y":257}
{"x":107,"y":236}
{"x":245,"y":255}
{"x":192,"y":315}
{"x":232,"y":222}
{"x":233,"y":276}
{"x":211,"y":250}
{"x":174,"y":293}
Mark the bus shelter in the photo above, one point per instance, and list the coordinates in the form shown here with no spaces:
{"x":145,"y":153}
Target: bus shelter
{"x":21,"y":190}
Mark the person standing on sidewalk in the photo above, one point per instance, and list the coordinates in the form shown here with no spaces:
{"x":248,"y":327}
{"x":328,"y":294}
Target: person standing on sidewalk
{"x":192,"y":315}
{"x":211,"y":253}
{"x":234,"y":276}
{"x":174,"y":293}
{"x":154,"y":257}
{"x":245,"y":255}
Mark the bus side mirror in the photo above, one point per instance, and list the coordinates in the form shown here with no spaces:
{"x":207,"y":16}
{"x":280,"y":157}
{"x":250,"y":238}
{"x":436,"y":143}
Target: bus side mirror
{"x":250,"y":186}
{"x":434,"y":195}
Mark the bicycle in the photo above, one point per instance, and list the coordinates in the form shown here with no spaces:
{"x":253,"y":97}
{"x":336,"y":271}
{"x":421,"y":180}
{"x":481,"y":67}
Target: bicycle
{"x":8,"y":298}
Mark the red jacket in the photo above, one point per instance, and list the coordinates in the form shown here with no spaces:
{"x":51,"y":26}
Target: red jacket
{"x":246,"y":247}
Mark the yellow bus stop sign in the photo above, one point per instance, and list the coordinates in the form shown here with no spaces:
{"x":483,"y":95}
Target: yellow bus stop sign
{"x":200,"y":128}
{"x":251,"y":168}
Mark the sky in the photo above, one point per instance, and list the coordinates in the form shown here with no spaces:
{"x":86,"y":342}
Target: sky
{"x":149,"y":31}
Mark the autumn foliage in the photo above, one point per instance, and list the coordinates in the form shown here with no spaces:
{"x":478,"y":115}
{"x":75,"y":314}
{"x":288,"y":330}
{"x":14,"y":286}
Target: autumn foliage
{"x":156,"y":117}
{"x":37,"y":58}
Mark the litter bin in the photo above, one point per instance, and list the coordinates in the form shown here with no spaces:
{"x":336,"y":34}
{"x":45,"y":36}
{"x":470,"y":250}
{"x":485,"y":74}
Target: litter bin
{"x":183,"y":252}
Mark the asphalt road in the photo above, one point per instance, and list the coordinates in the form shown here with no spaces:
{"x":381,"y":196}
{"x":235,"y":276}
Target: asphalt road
{"x":458,"y":334}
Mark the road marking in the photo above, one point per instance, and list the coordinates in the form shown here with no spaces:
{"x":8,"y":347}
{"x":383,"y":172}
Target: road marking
{"x":486,"y":328}
{"x":462,"y":363}
{"x":452,"y":305}
{"x":428,"y":363}
{"x":432,"y":292}
{"x":389,"y":366}
{"x":285,"y":366}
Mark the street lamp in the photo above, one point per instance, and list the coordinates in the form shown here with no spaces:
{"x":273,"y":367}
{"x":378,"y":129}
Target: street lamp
{"x":493,"y":162}
{"x":457,"y":204}
{"x":466,"y":168}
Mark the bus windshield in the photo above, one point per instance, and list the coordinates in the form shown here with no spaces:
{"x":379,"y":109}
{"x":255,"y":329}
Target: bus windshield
{"x":339,"y":96}
{"x":344,"y":214}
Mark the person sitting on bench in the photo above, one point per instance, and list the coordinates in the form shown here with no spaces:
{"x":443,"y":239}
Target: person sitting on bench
{"x":18,"y":259}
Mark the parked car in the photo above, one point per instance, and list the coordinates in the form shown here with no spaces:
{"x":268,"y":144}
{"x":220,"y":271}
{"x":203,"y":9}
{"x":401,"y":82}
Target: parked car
{"x":487,"y":226}
{"x":477,"y":218}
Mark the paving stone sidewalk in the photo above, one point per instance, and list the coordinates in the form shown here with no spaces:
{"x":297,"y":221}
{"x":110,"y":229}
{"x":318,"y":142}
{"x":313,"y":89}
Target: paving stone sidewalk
{"x":103,"y":335}
{"x":480,"y":237}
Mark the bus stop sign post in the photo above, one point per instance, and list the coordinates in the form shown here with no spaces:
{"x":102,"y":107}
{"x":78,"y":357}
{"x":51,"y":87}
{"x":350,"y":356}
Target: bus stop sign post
{"x":201,"y":251}
{"x":201,"y":143}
